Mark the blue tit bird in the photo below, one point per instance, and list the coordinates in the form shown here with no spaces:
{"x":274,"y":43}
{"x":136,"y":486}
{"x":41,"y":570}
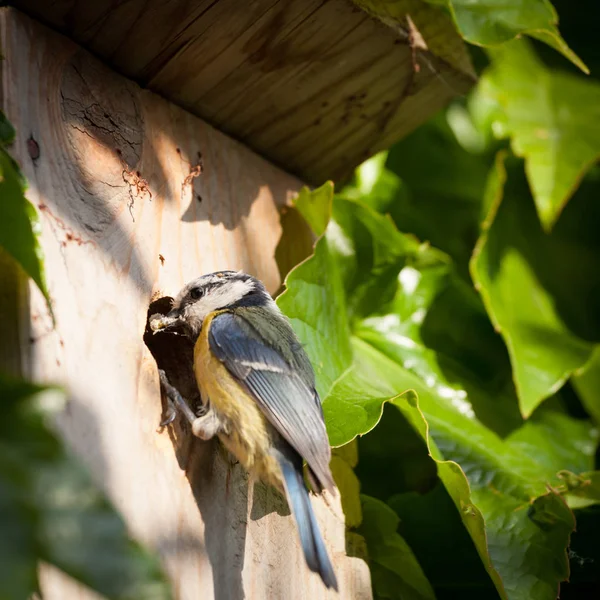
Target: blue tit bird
{"x":258,"y":390}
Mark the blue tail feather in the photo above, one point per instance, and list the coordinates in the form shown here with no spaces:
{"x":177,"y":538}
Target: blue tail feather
{"x":308,"y":528}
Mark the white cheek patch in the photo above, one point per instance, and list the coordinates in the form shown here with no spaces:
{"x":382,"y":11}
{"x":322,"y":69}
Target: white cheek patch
{"x":219,"y":297}
{"x":228,"y":293}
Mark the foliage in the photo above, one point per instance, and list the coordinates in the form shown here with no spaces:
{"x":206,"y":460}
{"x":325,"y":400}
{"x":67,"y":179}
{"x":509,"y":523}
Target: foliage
{"x":545,"y":336}
{"x":456,"y":282}
{"x":394,"y":568}
{"x":488,"y":23}
{"x":51,"y":511}
{"x":19,"y":222}
{"x":552,"y":119}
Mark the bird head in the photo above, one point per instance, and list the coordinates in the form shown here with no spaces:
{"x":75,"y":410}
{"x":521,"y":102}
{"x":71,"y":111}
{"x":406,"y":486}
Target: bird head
{"x":209,"y":293}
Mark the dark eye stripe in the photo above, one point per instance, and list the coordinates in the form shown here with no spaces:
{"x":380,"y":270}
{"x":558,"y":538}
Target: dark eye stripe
{"x":206,"y":289}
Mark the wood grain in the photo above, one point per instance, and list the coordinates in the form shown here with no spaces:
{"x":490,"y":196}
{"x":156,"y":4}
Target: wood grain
{"x":316,"y":86}
{"x":125,"y":221}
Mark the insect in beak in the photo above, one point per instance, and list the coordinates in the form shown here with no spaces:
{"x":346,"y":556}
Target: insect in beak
{"x":159,"y":322}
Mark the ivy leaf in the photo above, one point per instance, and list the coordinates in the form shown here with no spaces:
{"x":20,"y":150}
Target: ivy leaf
{"x":487,"y":23}
{"x":19,"y":221}
{"x":342,"y":463}
{"x":525,"y":277}
{"x":51,"y":511}
{"x":552,"y":119}
{"x":556,"y":442}
{"x":7,"y":131}
{"x":395,"y":572}
{"x":431,"y":183}
{"x":324,"y":325}
{"x":316,"y":206}
{"x":587,"y":384}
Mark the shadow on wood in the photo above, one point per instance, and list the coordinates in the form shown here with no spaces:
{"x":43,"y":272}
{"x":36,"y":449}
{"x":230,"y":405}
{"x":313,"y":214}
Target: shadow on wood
{"x":119,"y":152}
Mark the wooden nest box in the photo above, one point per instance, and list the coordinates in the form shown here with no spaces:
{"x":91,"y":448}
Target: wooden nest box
{"x":114,"y":103}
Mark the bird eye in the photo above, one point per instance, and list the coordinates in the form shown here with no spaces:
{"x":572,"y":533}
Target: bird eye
{"x":196,"y":293}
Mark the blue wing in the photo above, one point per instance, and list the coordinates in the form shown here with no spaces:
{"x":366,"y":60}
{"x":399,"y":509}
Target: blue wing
{"x":281,"y":390}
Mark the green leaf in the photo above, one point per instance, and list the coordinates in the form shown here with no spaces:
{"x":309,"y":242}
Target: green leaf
{"x":395,"y":572}
{"x":19,"y":223}
{"x":517,"y":268}
{"x":18,"y":551}
{"x":432,"y":527}
{"x":581,"y":490}
{"x":315,"y":206}
{"x":431,"y":183}
{"x":556,"y":442}
{"x":490,"y":23}
{"x":347,"y":484}
{"x":7,"y":131}
{"x":587,"y":384}
{"x":325,"y":325}
{"x":492,"y":484}
{"x":51,"y":511}
{"x":380,"y":299}
{"x":578,"y":25}
{"x":552,"y":119}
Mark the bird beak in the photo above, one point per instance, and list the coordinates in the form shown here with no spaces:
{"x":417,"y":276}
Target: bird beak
{"x":160,"y":322}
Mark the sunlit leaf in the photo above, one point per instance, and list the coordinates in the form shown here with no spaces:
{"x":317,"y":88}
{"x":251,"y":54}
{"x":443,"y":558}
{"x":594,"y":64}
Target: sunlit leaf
{"x":491,"y":482}
{"x":552,"y":119}
{"x":19,"y":223}
{"x":523,"y":275}
{"x":348,"y":486}
{"x":316,"y":206}
{"x":430,"y":184}
{"x":489,"y":23}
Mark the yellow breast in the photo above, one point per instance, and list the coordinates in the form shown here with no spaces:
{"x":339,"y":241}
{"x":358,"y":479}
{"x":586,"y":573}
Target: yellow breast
{"x":246,"y":433}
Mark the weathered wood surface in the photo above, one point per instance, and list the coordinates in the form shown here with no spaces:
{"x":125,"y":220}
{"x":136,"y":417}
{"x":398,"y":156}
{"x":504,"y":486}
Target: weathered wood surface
{"x":316,"y":86}
{"x":111,"y":168}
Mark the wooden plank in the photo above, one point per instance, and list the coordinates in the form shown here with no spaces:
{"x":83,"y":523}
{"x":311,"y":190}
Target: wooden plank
{"x":314,"y":85}
{"x":125,"y":221}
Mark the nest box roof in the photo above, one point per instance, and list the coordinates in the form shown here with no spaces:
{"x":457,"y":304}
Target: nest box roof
{"x":315,"y":86}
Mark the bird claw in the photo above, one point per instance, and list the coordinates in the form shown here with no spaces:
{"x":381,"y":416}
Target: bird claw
{"x":205,"y":425}
{"x":176,"y":402}
{"x":170,"y":416}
